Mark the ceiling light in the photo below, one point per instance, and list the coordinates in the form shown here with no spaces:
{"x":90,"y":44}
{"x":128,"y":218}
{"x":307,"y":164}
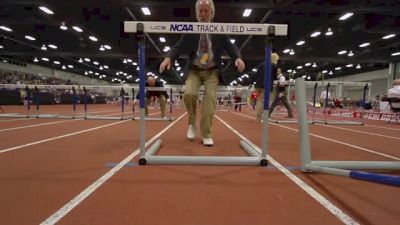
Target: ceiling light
{"x":308,"y":78}
{"x":63,"y":67}
{"x":129,"y":60}
{"x":63,"y":27}
{"x":346,"y":16}
{"x":291,"y":52}
{"x":56,"y":62}
{"x":96,"y":73}
{"x":342,"y":52}
{"x":46,"y":10}
{"x":70,"y":66}
{"x":300,"y":43}
{"x":102,"y":48}
{"x":134,"y":63}
{"x":304,"y":76}
{"x":35,"y":60}
{"x":78,"y":29}
{"x":1,"y":46}
{"x":315,"y":34}
{"x":314,"y":65}
{"x":324,"y":71}
{"x":52,"y":46}
{"x":350,"y":53}
{"x":286,"y":50}
{"x":254,"y":70}
{"x":338,"y":68}
{"x":329,"y":32}
{"x":162,"y":39}
{"x":330,"y":72}
{"x":101,"y":68}
{"x":80,"y":60}
{"x":146,"y":11}
{"x":30,"y":38}
{"x":45,"y":59}
{"x":124,"y":61}
{"x":358,"y":66}
{"x":44,"y":48}
{"x":364,"y":45}
{"x":233,"y":41}
{"x":307,"y":64}
{"x":247,"y":12}
{"x":107,"y":47}
{"x":6,"y":28}
{"x":87,"y":59}
{"x":389,"y":36}
{"x":105,"y":67}
{"x":289,"y":70}
{"x":349,"y":65}
{"x":95,"y":63}
{"x":395,"y":54}
{"x":93,"y":38}
{"x":299,"y":67}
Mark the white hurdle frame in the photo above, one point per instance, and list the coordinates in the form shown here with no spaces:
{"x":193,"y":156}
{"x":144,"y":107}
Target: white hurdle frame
{"x":141,"y":27}
{"x":309,"y":165}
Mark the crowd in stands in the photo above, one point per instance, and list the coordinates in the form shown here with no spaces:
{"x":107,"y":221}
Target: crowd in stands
{"x":29,"y":79}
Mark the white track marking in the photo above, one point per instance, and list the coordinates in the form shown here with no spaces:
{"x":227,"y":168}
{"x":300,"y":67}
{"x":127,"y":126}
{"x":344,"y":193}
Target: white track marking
{"x":59,"y":214}
{"x":358,"y":131}
{"x":332,"y":140}
{"x":63,"y":136}
{"x":388,"y":128}
{"x":346,"y":219}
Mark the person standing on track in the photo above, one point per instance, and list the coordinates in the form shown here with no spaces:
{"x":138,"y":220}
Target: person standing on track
{"x":203,"y":67}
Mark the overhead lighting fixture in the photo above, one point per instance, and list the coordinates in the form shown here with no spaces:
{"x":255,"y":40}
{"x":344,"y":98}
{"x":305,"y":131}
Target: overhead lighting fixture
{"x":346,"y":16}
{"x":329,"y":32}
{"x":286,"y":50}
{"x":330,"y":72}
{"x":56,"y":62}
{"x":342,"y":52}
{"x":146,"y":11}
{"x":45,"y":59}
{"x":105,"y":67}
{"x":80,"y":60}
{"x":289,"y":70}
{"x":78,"y":29}
{"x":389,"y":36}
{"x":30,"y":38}
{"x":107,"y":47}
{"x":395,"y":54}
{"x":134,"y":63}
{"x":70,"y":66}
{"x":338,"y":68}
{"x":324,"y":71}
{"x":129,"y":60}
{"x":46,"y":10}
{"x":95,"y":63}
{"x":315,"y":34}
{"x":299,"y":67}
{"x":349,"y":65}
{"x":101,"y":68}
{"x":254,"y":70}
{"x":308,"y":78}
{"x":233,"y":41}
{"x":125,"y":61}
{"x":247,"y":12}
{"x":314,"y":65}
{"x":63,"y":27}
{"x":52,"y":46}
{"x":87,"y":59}
{"x":300,"y":43}
{"x":36,"y":60}
{"x":307,"y":64}
{"x":44,"y":48}
{"x":6,"y":28}
{"x":102,"y":48}
{"x":1,"y":46}
{"x":93,"y":38}
{"x":358,"y":66}
{"x":63,"y":67}
{"x":162,"y":39}
{"x":364,"y":45}
{"x":350,"y":54}
{"x":291,"y":52}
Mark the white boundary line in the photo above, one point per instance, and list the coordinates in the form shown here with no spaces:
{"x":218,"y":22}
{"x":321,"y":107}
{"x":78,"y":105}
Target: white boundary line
{"x":59,"y":214}
{"x":332,"y":140}
{"x":358,"y":131}
{"x":62,"y":136}
{"x":346,"y":219}
{"x":388,"y":128}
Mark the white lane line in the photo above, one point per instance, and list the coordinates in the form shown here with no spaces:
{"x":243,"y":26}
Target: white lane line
{"x":59,"y":214}
{"x":63,"y":136}
{"x":332,"y":140}
{"x":388,"y":128}
{"x":21,"y":119}
{"x":49,"y":123}
{"x":346,"y":219}
{"x":358,"y":131}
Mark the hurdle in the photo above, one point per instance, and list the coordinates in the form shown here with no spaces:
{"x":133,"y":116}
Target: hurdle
{"x":340,"y":168}
{"x":141,"y":27}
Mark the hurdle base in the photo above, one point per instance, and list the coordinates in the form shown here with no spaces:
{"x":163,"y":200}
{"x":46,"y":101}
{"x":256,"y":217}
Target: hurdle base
{"x":204,"y":160}
{"x":337,"y":122}
{"x":358,"y":165}
{"x":155,"y":119}
{"x":108,"y":117}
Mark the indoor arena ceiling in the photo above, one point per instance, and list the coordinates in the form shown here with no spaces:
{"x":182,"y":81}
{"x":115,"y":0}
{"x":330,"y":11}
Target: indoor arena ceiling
{"x":25,"y":29}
